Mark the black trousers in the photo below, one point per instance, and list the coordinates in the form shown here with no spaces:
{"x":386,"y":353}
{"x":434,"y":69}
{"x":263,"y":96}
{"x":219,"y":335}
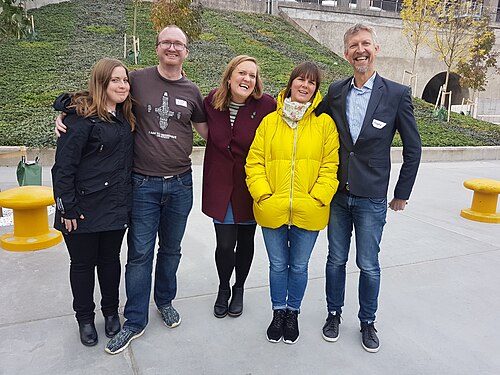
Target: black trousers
{"x":87,"y":252}
{"x":234,"y":251}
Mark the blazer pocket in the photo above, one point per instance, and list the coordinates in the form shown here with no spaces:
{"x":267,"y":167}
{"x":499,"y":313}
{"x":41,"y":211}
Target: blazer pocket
{"x":378,"y":163}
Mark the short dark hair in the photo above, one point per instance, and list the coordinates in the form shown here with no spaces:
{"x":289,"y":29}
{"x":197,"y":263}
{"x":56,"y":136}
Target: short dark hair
{"x":307,"y":69}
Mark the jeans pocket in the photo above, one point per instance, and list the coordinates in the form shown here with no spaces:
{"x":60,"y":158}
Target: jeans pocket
{"x":186,"y":181}
{"x":378,"y":200}
{"x":137,"y":181}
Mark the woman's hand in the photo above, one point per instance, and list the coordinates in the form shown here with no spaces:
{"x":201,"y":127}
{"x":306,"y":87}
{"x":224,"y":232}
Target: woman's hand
{"x":71,"y":224}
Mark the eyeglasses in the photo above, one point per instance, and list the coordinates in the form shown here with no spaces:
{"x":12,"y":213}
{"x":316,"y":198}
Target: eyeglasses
{"x":178,"y":46}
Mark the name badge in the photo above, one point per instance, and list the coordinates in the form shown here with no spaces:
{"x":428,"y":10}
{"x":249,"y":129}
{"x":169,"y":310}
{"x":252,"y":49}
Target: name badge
{"x":183,"y":103}
{"x":378,"y":124}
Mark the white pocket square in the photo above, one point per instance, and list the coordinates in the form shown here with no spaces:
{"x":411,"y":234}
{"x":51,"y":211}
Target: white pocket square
{"x":378,"y":124}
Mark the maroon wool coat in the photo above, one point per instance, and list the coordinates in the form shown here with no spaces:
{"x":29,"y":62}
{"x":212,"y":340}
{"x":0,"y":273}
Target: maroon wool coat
{"x":225,"y":157}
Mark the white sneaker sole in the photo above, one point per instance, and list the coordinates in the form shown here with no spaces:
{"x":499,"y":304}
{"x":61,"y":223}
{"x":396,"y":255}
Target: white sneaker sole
{"x":329,"y":339}
{"x":173,"y":325}
{"x":126,"y":345}
{"x":274,"y":341}
{"x":290,"y":342}
{"x":369,"y":349}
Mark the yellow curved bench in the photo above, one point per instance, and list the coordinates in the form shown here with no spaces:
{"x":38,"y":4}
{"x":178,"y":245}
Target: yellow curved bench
{"x":484,"y":201}
{"x":31,"y":222}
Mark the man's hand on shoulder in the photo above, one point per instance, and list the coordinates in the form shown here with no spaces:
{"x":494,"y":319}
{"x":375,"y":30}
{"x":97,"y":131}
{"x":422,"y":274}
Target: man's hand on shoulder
{"x":60,"y":127}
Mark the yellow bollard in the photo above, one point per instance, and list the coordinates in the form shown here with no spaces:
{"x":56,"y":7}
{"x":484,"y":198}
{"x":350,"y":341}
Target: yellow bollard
{"x":31,"y":228}
{"x":484,"y":201}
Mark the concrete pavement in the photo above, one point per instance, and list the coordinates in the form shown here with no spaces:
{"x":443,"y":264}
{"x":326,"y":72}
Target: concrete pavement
{"x":438,"y":312}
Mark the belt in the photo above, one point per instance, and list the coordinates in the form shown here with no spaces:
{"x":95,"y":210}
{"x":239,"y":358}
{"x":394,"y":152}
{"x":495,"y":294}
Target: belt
{"x":162,"y":178}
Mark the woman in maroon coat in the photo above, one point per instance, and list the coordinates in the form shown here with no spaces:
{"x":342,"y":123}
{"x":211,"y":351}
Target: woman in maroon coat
{"x":234,"y":111}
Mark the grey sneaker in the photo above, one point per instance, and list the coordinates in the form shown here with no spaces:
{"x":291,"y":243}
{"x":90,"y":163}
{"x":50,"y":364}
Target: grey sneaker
{"x":369,"y":338}
{"x":330,"y":330}
{"x":170,"y":316}
{"x":121,"y":340}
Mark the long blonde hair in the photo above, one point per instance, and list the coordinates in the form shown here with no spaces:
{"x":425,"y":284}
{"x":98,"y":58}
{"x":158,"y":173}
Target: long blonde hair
{"x":222,"y":96}
{"x":92,"y":102}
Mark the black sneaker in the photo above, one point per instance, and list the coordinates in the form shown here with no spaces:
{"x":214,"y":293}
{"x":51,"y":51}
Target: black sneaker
{"x":121,"y":340}
{"x":291,"y":329}
{"x":369,"y":338}
{"x":330,"y":330}
{"x":275,"y":330}
{"x":170,"y":316}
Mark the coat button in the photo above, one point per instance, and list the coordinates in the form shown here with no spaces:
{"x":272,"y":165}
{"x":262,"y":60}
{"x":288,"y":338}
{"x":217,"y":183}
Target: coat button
{"x":351,"y":153}
{"x":106,"y":183}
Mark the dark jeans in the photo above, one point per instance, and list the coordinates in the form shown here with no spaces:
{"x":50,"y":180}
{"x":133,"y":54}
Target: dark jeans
{"x":160,"y":207}
{"x":88,"y":251}
{"x":367,"y":217}
{"x":234,"y":251}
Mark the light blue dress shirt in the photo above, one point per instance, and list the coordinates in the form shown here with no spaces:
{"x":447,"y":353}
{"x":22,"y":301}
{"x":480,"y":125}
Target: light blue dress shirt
{"x":356,"y":105}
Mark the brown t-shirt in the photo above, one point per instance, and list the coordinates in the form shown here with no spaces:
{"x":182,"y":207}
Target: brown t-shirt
{"x":164,"y":111}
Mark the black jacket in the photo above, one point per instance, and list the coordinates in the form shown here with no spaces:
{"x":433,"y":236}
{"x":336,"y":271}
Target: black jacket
{"x":91,"y":174}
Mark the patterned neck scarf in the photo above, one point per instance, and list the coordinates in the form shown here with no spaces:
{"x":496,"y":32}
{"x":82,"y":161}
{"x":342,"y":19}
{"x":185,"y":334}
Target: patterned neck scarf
{"x":293,"y":112}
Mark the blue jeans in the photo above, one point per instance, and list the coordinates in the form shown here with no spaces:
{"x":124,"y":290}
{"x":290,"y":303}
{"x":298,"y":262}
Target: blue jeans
{"x":367,"y":215}
{"x":159,"y":206}
{"x":289,"y":250}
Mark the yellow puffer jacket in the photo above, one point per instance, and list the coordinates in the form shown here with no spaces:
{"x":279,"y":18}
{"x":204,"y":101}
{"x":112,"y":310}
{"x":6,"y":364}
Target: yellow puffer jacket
{"x":292,"y":173}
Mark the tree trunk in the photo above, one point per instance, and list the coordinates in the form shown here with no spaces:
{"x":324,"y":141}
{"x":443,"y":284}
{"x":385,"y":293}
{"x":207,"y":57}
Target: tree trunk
{"x":135,"y":17}
{"x":445,"y":87}
{"x":414,"y":60}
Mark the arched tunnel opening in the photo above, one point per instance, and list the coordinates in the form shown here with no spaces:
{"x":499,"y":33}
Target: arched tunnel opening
{"x":432,"y":88}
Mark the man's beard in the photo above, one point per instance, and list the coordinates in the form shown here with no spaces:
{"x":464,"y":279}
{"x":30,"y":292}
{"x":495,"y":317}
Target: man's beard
{"x":361,"y":69}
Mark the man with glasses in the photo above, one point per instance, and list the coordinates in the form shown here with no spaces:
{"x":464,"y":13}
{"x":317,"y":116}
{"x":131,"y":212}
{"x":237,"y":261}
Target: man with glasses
{"x":166,"y":103}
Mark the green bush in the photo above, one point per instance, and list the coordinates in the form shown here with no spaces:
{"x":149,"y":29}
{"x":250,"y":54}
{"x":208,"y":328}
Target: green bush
{"x":72,"y":36}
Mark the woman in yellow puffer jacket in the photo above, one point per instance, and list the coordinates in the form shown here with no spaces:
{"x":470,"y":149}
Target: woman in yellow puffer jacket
{"x":292,"y":176}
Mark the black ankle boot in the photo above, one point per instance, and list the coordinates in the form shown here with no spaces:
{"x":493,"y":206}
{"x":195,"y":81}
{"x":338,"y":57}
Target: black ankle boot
{"x":236,"y":305}
{"x":88,"y":334}
{"x":111,"y":325}
{"x":220,"y":307}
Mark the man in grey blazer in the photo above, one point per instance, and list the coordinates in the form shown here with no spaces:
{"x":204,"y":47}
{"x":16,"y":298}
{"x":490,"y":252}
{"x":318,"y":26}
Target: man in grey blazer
{"x":367,"y":110}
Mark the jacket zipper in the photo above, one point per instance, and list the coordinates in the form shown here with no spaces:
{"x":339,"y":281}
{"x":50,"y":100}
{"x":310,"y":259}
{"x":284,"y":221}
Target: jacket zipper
{"x":292,"y":177}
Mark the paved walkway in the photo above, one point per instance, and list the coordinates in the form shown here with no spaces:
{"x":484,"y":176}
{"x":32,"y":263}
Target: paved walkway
{"x":439,"y":303}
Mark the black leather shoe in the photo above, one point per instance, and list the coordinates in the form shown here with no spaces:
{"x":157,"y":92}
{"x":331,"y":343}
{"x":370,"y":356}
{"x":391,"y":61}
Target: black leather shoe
{"x":221,"y":303}
{"x":111,"y":325}
{"x":88,"y":334}
{"x":236,"y":305}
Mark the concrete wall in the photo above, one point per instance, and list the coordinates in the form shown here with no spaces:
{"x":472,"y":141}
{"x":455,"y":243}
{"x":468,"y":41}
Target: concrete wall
{"x":429,"y":154}
{"x":327,"y":25}
{"x":251,"y":6}
{"x":41,"y":3}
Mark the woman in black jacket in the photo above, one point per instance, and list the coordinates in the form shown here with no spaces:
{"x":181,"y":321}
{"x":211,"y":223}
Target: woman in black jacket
{"x":91,"y":180}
